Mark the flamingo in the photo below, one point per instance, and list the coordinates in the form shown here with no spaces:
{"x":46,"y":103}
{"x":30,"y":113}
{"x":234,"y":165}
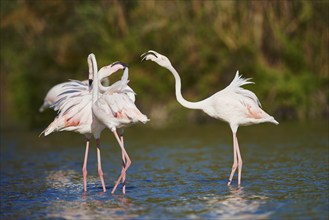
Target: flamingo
{"x":54,"y":92}
{"x":114,"y":109}
{"x":234,"y":105}
{"x":75,"y":114}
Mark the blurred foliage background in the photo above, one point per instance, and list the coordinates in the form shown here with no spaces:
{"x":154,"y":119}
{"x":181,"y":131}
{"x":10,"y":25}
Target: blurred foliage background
{"x":282,"y":45}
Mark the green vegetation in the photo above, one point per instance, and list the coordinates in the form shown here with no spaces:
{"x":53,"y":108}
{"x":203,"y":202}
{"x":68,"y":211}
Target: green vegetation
{"x":282,"y":45}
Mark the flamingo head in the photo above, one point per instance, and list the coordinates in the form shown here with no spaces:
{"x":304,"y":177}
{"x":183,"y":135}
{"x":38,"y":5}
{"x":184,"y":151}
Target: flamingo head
{"x":110,"y":69}
{"x":156,"y":57}
{"x":92,"y":64}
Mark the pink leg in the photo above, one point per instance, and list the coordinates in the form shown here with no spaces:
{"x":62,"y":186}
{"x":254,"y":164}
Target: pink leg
{"x":239,"y":159}
{"x":235,"y":162}
{"x":123,"y":173}
{"x":84,"y":167}
{"x":99,"y":163}
{"x":123,"y":166}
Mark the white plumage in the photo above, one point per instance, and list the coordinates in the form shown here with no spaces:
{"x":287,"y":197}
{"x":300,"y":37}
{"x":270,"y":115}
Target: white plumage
{"x":115,"y":109}
{"x":74,"y":106}
{"x":53,"y":93}
{"x":234,"y":105}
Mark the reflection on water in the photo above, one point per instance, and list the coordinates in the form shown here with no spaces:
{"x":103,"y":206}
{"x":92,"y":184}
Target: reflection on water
{"x":59,"y":179}
{"x":237,"y":205}
{"x":89,"y":205}
{"x":91,"y":209}
{"x":175,"y":174}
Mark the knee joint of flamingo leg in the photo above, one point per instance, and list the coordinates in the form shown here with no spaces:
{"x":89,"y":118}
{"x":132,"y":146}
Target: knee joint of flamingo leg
{"x":234,"y":166}
{"x":240,"y":164}
{"x":128,"y":164}
{"x":100,"y":172}
{"x":84,"y":171}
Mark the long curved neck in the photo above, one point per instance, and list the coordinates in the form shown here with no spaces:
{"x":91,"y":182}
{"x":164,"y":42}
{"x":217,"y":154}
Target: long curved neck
{"x":96,"y":80}
{"x":95,"y":86}
{"x":178,"y":89}
{"x":106,"y":81}
{"x":102,"y":76}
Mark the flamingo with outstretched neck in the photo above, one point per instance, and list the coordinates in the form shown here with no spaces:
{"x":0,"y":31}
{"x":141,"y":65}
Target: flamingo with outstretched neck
{"x":235,"y":105}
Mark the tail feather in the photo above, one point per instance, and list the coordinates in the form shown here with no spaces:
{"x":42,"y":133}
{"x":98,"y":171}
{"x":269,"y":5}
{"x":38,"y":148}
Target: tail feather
{"x":143,"y":118}
{"x":274,"y":121}
{"x":135,"y":115}
{"x":51,"y":128}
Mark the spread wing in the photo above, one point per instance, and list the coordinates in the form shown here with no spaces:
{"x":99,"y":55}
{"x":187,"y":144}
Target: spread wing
{"x":73,"y":105}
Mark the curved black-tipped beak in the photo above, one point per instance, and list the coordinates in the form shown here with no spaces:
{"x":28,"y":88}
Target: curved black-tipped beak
{"x":148,"y":53}
{"x":119,"y":62}
{"x":90,"y":82}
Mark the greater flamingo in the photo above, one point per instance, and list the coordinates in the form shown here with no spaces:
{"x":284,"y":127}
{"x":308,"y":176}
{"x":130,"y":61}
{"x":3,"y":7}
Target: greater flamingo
{"x":114,"y":109}
{"x":75,"y":114}
{"x":234,"y":105}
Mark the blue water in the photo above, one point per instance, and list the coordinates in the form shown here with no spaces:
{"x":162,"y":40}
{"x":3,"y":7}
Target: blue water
{"x":177,"y":173}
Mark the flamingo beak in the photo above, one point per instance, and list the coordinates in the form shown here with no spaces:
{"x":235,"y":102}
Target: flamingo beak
{"x":121,"y":63}
{"x":90,"y":82}
{"x":144,"y":55}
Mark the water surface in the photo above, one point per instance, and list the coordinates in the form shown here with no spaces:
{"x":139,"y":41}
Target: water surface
{"x":177,"y":173}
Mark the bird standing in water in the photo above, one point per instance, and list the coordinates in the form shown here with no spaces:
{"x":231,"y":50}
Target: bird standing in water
{"x":235,"y":105}
{"x":115,"y":109}
{"x":74,"y":110}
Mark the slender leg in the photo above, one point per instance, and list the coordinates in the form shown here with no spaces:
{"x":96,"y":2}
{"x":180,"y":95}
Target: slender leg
{"x":84,"y":167}
{"x":123,"y":173}
{"x":235,"y":162}
{"x":99,"y":163}
{"x":239,"y":159}
{"x":123,"y":166}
